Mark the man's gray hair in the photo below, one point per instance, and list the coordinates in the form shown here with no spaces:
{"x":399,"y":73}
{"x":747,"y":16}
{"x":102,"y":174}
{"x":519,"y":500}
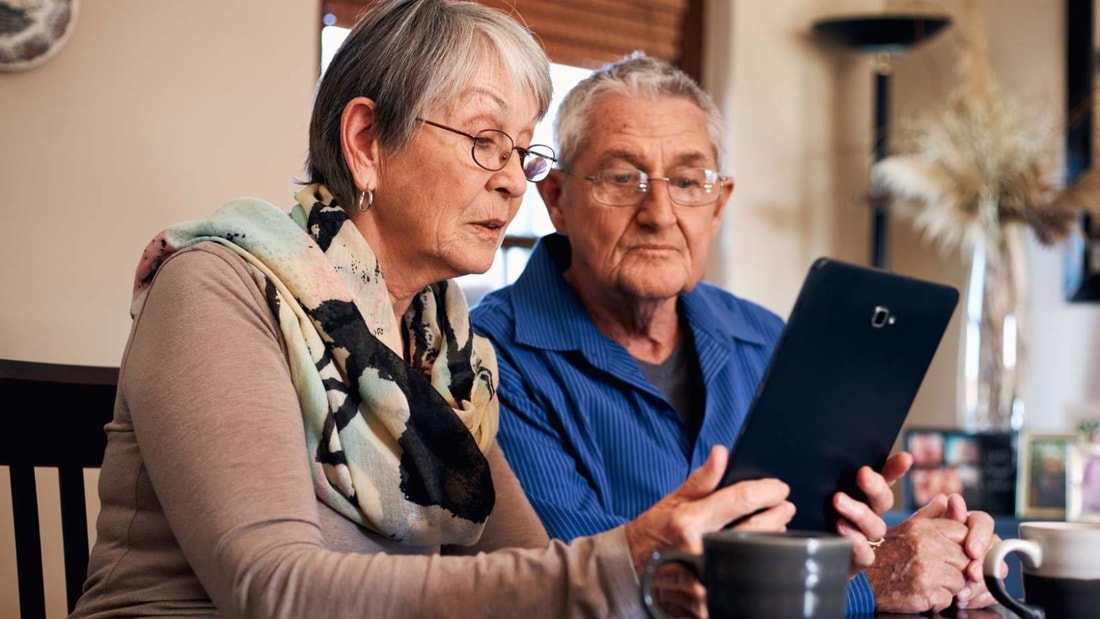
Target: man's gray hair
{"x":409,"y":56}
{"x":636,"y":76}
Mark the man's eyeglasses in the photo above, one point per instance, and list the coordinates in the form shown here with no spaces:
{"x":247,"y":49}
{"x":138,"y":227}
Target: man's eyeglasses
{"x":492,"y":149}
{"x":627,"y":186}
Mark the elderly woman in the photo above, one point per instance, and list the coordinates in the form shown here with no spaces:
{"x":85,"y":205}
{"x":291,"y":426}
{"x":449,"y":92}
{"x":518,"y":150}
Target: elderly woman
{"x":305,"y":422}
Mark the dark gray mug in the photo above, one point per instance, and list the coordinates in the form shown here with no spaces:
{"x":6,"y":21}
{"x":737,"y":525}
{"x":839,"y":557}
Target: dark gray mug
{"x":756,"y":575}
{"x":1061,"y":570}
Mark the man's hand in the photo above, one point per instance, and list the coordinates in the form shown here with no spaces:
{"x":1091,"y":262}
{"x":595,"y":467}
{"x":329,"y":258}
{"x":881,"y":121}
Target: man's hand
{"x":861,"y":522}
{"x":979,"y":540}
{"x":933,"y":559}
{"x":679,"y":521}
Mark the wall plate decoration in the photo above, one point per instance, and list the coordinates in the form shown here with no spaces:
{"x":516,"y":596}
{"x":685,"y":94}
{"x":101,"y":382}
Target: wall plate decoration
{"x":33,"y":31}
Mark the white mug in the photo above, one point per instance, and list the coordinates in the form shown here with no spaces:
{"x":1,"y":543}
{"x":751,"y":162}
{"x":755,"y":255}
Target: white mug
{"x":1061,"y":570}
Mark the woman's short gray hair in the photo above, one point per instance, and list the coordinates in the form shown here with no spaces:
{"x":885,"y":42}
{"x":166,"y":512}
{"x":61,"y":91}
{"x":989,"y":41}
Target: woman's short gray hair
{"x":636,"y":76}
{"x":409,"y":56}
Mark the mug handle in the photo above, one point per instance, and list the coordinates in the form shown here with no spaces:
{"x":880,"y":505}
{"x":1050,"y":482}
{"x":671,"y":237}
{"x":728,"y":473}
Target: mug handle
{"x":694,"y":563}
{"x":1031,"y":555}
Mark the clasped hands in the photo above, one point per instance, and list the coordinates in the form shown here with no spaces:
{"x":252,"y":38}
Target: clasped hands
{"x":926,"y":563}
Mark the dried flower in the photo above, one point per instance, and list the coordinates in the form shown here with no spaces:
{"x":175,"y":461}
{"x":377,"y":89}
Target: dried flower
{"x":980,"y":163}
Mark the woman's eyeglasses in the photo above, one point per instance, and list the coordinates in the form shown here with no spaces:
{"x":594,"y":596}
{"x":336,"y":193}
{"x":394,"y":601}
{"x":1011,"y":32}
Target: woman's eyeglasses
{"x":627,"y":186}
{"x":492,"y":149}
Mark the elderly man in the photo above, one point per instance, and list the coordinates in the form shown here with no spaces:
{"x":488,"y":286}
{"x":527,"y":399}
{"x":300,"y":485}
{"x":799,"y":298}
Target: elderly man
{"x":620,"y":370}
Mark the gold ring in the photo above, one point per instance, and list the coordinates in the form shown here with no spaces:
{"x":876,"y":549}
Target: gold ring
{"x":875,"y":544}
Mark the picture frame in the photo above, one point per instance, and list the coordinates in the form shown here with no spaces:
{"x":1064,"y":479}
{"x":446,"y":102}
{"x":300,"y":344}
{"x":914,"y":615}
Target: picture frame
{"x":1083,"y":501}
{"x":1042,"y":482}
{"x":980,"y":466}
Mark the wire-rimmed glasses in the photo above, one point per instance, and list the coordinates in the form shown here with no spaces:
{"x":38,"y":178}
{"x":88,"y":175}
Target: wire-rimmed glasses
{"x":627,"y":186}
{"x":492,"y":149}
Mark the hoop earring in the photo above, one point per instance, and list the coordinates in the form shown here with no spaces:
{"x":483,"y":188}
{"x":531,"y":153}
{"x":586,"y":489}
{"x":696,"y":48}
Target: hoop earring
{"x":369,"y":196}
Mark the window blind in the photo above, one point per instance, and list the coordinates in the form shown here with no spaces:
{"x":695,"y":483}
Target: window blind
{"x":589,"y":33}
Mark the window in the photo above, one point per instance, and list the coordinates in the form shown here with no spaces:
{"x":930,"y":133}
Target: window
{"x":532,"y":220}
{"x":331,"y":38}
{"x":590,"y":33}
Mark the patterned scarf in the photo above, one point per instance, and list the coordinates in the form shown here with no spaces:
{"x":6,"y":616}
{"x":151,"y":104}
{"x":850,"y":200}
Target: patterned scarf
{"x":396,"y":443}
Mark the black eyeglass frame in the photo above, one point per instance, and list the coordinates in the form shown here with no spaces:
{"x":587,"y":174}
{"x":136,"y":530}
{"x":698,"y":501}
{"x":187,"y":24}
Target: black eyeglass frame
{"x":643,"y":185}
{"x":523,"y":152}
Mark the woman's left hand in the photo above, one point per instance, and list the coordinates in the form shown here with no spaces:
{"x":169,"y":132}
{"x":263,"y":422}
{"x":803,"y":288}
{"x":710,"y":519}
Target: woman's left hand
{"x":861,"y":522}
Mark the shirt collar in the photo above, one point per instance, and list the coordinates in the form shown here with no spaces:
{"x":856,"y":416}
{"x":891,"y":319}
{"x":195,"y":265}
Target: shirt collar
{"x":549,"y":314}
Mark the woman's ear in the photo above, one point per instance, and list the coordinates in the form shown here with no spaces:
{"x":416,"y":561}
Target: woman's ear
{"x":359,"y":142}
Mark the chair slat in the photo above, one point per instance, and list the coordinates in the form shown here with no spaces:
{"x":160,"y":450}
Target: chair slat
{"x":74,"y":530}
{"x":28,"y":546}
{"x":53,"y":416}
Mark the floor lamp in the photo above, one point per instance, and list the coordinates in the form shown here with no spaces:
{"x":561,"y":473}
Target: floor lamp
{"x":884,"y":36}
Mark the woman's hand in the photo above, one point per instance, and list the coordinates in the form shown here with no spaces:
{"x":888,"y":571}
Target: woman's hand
{"x":679,"y":521}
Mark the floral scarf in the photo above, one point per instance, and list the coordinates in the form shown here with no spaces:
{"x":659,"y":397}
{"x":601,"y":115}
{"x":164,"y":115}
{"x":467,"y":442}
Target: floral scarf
{"x":396,"y":441}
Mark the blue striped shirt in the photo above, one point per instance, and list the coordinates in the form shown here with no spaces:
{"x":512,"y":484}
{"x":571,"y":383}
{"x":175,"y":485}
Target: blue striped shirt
{"x":592,"y":441}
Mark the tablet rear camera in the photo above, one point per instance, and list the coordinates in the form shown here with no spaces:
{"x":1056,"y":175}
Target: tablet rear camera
{"x":881,"y":317}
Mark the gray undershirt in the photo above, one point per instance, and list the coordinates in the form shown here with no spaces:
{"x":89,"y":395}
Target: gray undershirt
{"x":681,"y":382}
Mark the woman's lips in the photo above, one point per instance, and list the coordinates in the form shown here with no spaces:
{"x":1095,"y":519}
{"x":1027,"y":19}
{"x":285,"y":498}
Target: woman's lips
{"x":491,"y":224}
{"x":490,"y":229}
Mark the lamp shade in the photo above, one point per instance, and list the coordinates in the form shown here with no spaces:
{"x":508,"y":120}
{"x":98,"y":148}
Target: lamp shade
{"x":891,"y":34}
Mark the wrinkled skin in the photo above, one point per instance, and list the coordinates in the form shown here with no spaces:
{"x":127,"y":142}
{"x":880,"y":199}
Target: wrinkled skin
{"x":930,"y":562}
{"x":933,"y":560}
{"x":683,"y":517}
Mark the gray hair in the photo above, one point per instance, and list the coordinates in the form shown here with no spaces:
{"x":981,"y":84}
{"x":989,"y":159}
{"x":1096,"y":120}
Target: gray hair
{"x":636,"y":76}
{"x":409,"y":56}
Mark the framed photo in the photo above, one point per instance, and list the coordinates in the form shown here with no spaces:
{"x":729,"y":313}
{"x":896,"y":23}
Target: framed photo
{"x":1042,"y":478}
{"x":980,"y":466}
{"x":1083,"y":503}
{"x":927,"y":477}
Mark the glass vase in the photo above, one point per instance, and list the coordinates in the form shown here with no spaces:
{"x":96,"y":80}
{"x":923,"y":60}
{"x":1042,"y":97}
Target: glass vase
{"x":994,"y":343}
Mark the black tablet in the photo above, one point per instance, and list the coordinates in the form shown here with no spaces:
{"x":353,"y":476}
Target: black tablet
{"x":840,"y":383}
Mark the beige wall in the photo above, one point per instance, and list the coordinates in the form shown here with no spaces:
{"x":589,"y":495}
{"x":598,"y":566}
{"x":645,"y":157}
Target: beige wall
{"x":155,"y":112}
{"x":801,"y":141}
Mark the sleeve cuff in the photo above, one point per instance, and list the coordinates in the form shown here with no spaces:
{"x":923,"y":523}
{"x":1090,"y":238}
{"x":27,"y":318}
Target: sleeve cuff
{"x":861,"y":598}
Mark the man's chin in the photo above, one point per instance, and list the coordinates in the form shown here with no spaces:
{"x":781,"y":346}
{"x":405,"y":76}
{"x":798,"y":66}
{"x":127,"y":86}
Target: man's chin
{"x":654,"y":288}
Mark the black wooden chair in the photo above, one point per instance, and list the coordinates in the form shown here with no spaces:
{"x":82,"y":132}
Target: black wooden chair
{"x":52,"y":416}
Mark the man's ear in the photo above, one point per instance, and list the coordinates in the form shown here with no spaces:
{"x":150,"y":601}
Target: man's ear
{"x":359,"y":142}
{"x":550,"y":190}
{"x":723,"y":199}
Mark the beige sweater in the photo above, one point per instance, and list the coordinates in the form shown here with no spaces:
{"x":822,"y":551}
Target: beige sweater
{"x":208,"y":506}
